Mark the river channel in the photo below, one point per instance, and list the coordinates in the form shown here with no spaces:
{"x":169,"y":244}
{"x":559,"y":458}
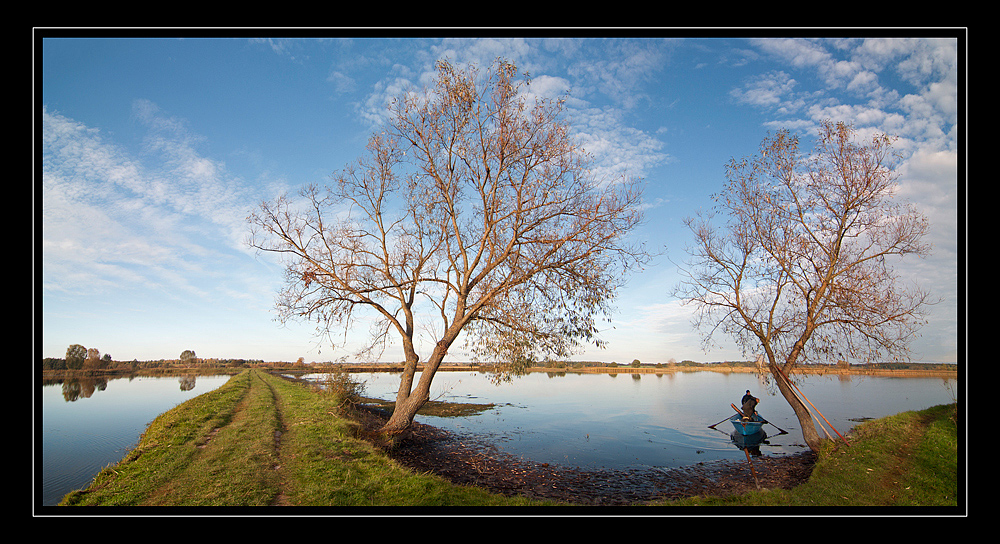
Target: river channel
{"x":578,"y":420}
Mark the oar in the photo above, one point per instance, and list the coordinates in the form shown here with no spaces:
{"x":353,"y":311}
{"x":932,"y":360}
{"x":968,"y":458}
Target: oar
{"x":761,"y":418}
{"x":713,"y":426}
{"x":773,"y":425}
{"x":789,"y":382}
{"x":756,"y":481}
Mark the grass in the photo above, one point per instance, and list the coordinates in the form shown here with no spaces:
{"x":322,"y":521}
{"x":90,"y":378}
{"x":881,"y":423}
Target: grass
{"x":207,"y":451}
{"x":327,"y":465}
{"x":221,"y":448}
{"x":259,"y":441}
{"x":906,"y":460}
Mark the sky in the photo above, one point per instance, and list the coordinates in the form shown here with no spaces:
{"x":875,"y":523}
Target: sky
{"x":151,"y":151}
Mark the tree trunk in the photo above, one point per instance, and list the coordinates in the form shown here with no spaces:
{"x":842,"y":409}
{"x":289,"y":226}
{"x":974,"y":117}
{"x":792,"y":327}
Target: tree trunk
{"x":809,"y":433}
{"x":408,"y":401}
{"x":402,"y":417}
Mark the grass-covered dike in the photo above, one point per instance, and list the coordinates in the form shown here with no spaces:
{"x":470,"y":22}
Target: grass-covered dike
{"x":260,"y":440}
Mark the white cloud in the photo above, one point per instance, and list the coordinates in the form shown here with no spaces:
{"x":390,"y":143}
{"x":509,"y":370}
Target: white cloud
{"x":771,"y":89}
{"x":550,"y":87}
{"x":110,"y":221}
{"x":800,"y":53}
{"x":617,"y":148}
{"x":903,"y":87}
{"x":602,"y":131}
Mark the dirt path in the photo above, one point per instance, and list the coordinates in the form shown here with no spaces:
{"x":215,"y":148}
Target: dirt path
{"x":281,"y":499}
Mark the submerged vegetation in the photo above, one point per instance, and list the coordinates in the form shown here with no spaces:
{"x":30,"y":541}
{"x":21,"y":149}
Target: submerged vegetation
{"x":260,"y":440}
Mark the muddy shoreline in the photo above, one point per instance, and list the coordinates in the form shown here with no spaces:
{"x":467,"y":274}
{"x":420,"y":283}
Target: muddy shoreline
{"x":466,"y":460}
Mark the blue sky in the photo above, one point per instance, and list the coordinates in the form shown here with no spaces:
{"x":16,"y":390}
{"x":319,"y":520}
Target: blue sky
{"x":155,"y":149}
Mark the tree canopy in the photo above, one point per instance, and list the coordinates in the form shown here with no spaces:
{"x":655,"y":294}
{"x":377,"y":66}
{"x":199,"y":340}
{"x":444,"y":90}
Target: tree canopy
{"x":472,"y":213}
{"x":796,"y":261}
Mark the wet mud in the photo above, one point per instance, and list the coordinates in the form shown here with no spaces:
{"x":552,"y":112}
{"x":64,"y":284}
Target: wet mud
{"x":467,"y":460}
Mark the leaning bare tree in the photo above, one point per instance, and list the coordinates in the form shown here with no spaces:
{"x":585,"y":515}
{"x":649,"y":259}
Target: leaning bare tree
{"x":802,"y":266}
{"x":473,"y":214}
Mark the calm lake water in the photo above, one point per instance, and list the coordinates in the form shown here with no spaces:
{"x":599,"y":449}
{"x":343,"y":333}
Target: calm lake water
{"x":582,"y":420}
{"x":88,"y":424}
{"x":653,"y":420}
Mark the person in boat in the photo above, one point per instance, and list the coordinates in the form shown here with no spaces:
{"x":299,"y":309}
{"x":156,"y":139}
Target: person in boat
{"x":749,"y":405}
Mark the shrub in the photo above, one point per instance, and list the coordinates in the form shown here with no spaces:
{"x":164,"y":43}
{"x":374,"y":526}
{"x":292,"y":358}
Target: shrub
{"x":339,"y":382}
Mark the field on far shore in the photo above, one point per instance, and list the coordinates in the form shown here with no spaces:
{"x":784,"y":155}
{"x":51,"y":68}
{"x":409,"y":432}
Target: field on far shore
{"x":914,"y":370}
{"x":908,"y":370}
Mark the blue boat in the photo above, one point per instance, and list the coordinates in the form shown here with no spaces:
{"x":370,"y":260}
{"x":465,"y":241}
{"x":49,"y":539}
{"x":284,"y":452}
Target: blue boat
{"x":747,"y":427}
{"x":752,"y":441}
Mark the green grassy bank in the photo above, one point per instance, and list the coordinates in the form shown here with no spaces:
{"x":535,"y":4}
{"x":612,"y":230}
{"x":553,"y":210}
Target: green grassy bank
{"x":259,"y":440}
{"x":906,"y":460}
{"x":263,"y":441}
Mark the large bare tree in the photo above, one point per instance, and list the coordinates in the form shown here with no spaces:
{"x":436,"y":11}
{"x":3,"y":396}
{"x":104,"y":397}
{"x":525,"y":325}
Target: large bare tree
{"x":473,"y":214}
{"x":801,"y":265}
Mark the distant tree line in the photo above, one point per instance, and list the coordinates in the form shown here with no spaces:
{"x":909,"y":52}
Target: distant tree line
{"x":636,"y":363}
{"x":79,"y":357}
{"x":742,"y":364}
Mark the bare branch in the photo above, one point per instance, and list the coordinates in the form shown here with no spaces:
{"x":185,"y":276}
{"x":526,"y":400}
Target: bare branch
{"x":801,"y":267}
{"x":473,"y":214}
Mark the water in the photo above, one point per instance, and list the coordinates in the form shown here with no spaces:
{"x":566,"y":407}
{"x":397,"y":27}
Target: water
{"x":88,"y":424}
{"x":582,"y":420}
{"x":653,"y":420}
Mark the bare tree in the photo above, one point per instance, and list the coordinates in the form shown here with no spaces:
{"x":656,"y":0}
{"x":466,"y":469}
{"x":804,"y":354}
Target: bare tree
{"x":802,"y":267}
{"x":473,"y":213}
